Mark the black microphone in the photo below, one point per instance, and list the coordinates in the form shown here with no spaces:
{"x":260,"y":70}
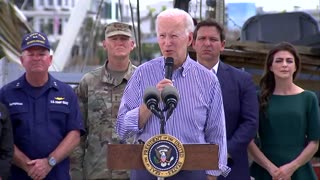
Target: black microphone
{"x":168,"y":66}
{"x":151,"y":98}
{"x":170,"y":97}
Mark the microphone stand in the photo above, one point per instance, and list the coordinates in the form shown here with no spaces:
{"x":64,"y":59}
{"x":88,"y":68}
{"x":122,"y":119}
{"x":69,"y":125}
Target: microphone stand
{"x":159,"y":114}
{"x":162,"y":124}
{"x":163,"y":121}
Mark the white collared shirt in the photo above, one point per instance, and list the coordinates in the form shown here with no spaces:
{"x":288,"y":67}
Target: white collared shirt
{"x":215,"y":68}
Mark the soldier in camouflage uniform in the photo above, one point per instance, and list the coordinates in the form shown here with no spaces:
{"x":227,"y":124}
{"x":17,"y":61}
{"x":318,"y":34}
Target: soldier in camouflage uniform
{"x":100,"y":93}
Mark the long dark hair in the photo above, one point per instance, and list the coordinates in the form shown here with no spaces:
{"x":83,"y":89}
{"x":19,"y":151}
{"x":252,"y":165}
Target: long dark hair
{"x":267,"y":82}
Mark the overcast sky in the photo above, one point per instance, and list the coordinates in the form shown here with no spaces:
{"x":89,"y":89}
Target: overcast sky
{"x":268,"y":5}
{"x":280,"y":5}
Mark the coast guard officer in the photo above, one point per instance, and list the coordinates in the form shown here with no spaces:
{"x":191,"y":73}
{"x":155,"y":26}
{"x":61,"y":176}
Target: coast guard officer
{"x":45,"y":115}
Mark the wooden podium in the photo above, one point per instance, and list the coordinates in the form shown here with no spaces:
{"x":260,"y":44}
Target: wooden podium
{"x":129,"y":156}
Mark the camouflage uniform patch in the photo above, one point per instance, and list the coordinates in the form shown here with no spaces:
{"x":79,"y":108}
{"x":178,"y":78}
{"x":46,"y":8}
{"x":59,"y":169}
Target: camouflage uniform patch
{"x":99,"y":97}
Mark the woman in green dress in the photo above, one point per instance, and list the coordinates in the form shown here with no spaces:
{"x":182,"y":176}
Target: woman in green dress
{"x":289,"y":129}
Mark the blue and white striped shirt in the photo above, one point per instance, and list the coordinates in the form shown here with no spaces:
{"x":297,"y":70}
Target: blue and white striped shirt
{"x":198,"y":118}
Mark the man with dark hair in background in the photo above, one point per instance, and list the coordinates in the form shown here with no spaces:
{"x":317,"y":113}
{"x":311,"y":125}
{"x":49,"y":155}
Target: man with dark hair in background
{"x":238,"y":92}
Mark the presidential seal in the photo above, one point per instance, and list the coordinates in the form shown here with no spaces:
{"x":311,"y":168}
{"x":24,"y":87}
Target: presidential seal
{"x":163,"y":155}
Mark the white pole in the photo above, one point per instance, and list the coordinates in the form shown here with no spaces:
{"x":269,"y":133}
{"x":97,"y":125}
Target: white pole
{"x":70,"y":33}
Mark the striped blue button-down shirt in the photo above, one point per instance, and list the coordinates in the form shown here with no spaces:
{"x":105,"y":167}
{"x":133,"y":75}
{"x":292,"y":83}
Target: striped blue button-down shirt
{"x":198,"y":117}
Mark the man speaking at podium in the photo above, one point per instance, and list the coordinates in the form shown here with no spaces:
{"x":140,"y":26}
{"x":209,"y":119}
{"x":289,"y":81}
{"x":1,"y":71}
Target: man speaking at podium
{"x":199,"y":115}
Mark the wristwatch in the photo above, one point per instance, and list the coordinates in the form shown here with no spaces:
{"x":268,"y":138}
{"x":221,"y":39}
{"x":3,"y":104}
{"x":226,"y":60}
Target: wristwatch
{"x":52,"y":161}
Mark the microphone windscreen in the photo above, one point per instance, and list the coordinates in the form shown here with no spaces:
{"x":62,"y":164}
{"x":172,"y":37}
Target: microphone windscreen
{"x":151,"y":93}
{"x":169,"y":92}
